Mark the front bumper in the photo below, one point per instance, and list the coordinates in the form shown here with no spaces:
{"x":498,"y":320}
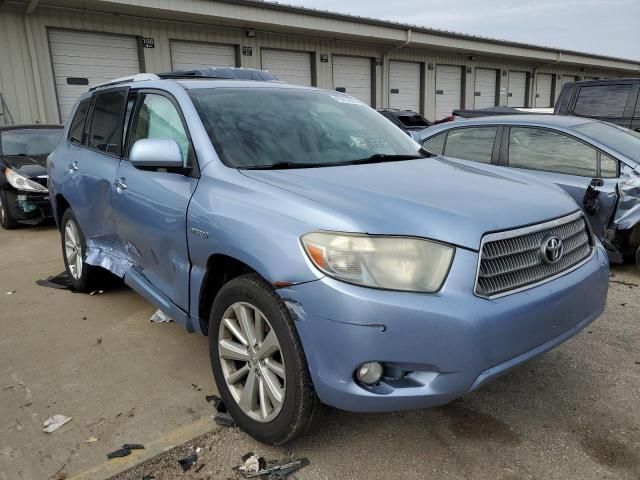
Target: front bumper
{"x":28,"y":207}
{"x":451,"y":342}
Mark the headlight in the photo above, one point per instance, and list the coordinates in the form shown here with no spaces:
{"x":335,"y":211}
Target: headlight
{"x":20,"y":182}
{"x":394,"y":263}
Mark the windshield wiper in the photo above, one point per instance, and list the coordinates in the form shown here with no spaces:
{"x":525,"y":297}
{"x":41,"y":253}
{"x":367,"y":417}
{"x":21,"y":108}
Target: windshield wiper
{"x":276,"y":166}
{"x":383,"y":157}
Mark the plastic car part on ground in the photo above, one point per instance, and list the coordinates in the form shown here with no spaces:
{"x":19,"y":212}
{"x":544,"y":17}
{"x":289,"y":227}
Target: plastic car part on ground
{"x":222,"y":416}
{"x":125,"y":450}
{"x":54,"y":423}
{"x":258,"y":467}
{"x":160,"y":317}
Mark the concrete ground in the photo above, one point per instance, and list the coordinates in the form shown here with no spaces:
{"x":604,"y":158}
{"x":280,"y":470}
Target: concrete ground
{"x":573,"y":413}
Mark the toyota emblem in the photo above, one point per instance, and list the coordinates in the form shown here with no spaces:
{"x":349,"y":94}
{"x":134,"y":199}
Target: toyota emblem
{"x":551,"y":249}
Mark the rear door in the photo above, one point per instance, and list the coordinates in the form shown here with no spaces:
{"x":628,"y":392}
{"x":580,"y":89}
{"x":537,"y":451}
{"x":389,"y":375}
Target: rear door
{"x":566,"y":161}
{"x":611,"y":102}
{"x":151,"y":205}
{"x":92,"y":168}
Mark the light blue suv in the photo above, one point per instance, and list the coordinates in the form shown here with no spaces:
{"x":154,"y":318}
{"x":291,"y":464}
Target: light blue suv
{"x":330,"y":259}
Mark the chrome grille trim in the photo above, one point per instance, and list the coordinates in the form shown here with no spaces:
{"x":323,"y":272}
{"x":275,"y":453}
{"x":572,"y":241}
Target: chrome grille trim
{"x":511,"y":261}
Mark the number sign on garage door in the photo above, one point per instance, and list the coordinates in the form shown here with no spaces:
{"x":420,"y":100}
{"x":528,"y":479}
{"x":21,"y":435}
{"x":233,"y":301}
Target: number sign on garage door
{"x":352,"y":75}
{"x":448,"y":90}
{"x":83,"y":59}
{"x":404,"y":86}
{"x":288,"y":66}
{"x":544,"y":90}
{"x":517,"y":89}
{"x":485,"y":88}
{"x":187,"y":55}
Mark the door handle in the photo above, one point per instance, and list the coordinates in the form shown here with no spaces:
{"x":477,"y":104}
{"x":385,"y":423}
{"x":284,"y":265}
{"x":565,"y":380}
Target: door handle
{"x":120,"y":185}
{"x":74,"y":166}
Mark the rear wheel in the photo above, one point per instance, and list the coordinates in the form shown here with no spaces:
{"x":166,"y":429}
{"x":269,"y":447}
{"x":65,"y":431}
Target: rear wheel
{"x":83,"y":277}
{"x":6,"y":219}
{"x":258,"y":363}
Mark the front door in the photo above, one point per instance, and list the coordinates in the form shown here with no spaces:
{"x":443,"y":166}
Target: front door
{"x":151,"y":205}
{"x":570,"y":164}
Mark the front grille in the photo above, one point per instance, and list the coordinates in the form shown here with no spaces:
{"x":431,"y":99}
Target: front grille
{"x":515,"y":259}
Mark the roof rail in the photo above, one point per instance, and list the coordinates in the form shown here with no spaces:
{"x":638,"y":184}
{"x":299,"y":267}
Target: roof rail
{"x":222,"y":73}
{"x":138,"y":77}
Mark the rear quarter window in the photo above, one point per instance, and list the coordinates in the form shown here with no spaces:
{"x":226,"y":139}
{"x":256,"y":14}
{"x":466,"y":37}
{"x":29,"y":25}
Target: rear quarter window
{"x":602,"y":100}
{"x":76,"y":128}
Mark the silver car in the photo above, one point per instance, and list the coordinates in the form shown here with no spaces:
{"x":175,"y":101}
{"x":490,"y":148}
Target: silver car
{"x":595,"y":162}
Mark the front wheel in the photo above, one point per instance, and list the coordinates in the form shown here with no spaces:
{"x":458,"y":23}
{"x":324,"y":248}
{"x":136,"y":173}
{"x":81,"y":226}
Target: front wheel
{"x":6,"y":219}
{"x":258,"y":363}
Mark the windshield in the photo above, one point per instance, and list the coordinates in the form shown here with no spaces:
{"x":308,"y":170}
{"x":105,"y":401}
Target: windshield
{"x":28,"y":142}
{"x":253,"y":127}
{"x":620,"y":139}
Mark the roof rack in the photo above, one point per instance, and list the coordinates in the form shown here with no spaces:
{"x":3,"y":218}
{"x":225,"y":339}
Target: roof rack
{"x":222,"y":73}
{"x":139,"y":77}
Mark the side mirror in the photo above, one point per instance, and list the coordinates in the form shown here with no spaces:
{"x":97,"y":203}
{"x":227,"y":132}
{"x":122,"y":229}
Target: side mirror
{"x":156,"y":153}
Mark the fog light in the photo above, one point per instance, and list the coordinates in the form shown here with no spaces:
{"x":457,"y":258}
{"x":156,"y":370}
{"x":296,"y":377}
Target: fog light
{"x":369,"y":373}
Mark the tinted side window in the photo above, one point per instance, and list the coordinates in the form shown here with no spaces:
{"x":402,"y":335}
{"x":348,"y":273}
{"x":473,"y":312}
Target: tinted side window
{"x":435,"y":144}
{"x":602,"y":100}
{"x":76,"y":129}
{"x":471,"y":143}
{"x":539,"y":149}
{"x":106,"y":126}
{"x":157,"y":117}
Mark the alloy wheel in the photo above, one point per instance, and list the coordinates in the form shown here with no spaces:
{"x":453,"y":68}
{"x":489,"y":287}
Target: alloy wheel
{"x":252,"y":362}
{"x":73,"y":249}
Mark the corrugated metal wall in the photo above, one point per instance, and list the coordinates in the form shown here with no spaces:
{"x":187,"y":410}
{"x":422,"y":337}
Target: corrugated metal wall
{"x":28,"y":86}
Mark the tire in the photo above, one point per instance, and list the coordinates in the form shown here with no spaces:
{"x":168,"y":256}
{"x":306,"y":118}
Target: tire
{"x":6,"y":219}
{"x":638,"y":257}
{"x":89,"y":278}
{"x":300,"y":409}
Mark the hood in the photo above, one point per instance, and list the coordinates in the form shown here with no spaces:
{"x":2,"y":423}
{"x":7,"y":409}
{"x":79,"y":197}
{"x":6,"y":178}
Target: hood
{"x":438,"y":198}
{"x":27,"y":166}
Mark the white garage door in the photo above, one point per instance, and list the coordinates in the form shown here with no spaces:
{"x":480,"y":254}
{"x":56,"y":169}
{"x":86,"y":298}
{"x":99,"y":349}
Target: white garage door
{"x":485,"y":88}
{"x":81,"y":57}
{"x":352,"y":75}
{"x":517,"y":89}
{"x":404,"y":86}
{"x":544,"y":89}
{"x":448,"y":90}
{"x":187,"y":55}
{"x":288,"y":66}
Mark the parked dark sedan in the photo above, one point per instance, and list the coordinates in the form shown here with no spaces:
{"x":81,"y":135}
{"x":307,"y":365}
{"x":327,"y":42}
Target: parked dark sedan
{"x":410,"y":122}
{"x":24,"y":197}
{"x":595,"y":162}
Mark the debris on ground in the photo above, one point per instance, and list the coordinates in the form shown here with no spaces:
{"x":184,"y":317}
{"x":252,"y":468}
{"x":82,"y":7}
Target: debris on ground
{"x":91,"y":440}
{"x":187,"y":462}
{"x":160,"y":317}
{"x":54,"y":423}
{"x":195,"y":387}
{"x":60,"y":281}
{"x":11,"y":292}
{"x":125,"y":450}
{"x":59,"y":475}
{"x":97,"y":292}
{"x":258,"y":467}
{"x":98,"y":340}
{"x":222,"y":416}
